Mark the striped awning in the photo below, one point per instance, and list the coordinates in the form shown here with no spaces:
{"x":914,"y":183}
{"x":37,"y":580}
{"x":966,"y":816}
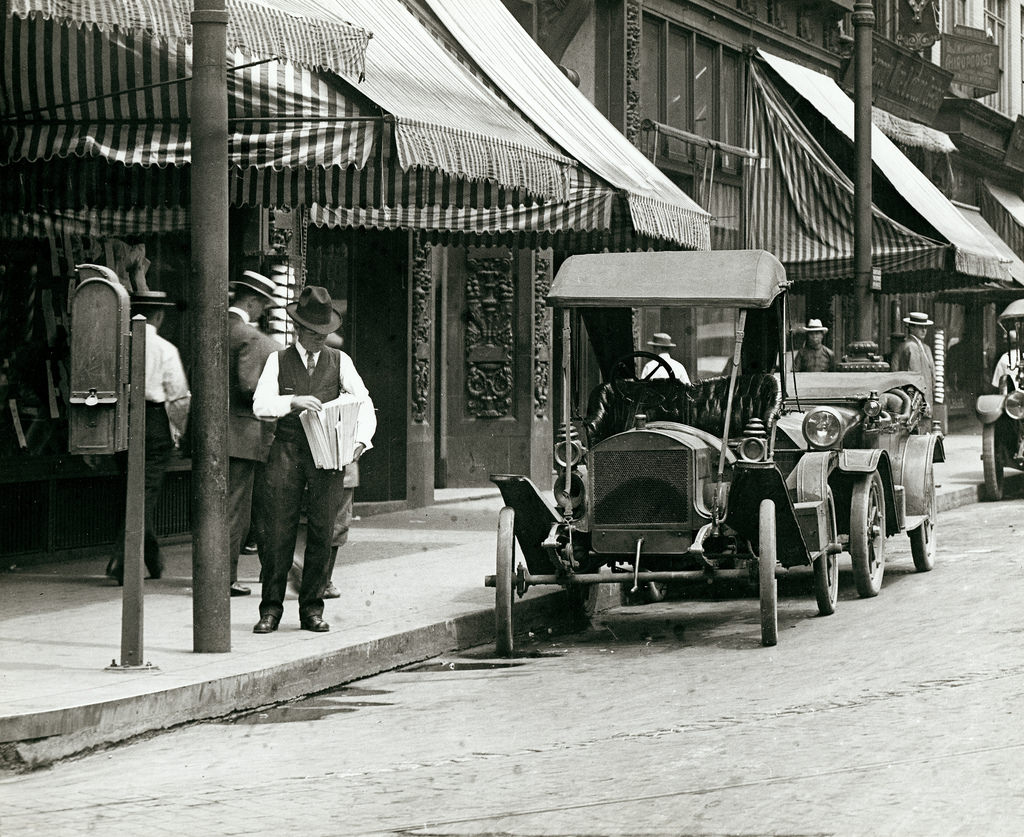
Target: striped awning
{"x":519,"y":68}
{"x":973,"y":256}
{"x":801,"y":202}
{"x":1004,"y":210}
{"x":1014,"y":265}
{"x":593,"y":218}
{"x":93,"y":222}
{"x":296,"y":136}
{"x":254,"y":29}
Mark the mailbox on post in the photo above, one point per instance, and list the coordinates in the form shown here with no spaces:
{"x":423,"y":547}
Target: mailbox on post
{"x":100,"y":313}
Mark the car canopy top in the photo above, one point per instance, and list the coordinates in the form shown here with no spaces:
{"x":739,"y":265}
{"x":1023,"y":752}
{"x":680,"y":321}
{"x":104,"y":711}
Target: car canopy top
{"x":720,"y":278}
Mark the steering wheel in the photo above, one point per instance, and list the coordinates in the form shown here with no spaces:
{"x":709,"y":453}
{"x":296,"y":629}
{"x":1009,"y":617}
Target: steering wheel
{"x":624,"y":369}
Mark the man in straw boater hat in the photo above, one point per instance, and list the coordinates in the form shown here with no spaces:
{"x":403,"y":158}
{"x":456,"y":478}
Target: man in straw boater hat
{"x":303,"y":377}
{"x":661,"y":343}
{"x":167,"y":404}
{"x":249,"y":439}
{"x":814,"y":355}
{"x":913,"y":354}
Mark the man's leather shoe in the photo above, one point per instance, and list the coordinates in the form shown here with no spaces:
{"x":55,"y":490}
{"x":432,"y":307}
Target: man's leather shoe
{"x":314,"y":623}
{"x":267,"y":624}
{"x":330,"y":592}
{"x":239,"y":590}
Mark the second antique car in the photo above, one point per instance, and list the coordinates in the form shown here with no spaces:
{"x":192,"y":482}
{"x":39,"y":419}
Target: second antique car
{"x":1002,"y":414}
{"x":870,"y":432}
{"x":665,"y":481}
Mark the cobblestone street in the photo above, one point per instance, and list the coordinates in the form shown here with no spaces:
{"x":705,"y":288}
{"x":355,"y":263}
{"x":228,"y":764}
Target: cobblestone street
{"x":899,"y":715}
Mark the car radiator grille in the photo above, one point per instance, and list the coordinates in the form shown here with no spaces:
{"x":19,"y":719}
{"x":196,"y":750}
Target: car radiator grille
{"x":634,"y":488}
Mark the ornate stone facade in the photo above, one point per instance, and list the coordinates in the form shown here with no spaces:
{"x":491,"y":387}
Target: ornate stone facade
{"x":489,"y":338}
{"x":542,"y":336}
{"x":422,"y":284}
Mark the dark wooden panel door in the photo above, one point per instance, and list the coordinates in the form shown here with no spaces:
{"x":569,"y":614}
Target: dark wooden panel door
{"x":489,"y":379}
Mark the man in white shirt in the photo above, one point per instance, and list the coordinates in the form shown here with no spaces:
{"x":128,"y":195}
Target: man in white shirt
{"x":1008,"y":365}
{"x":660,"y":343}
{"x":303,"y":377}
{"x":167,"y":404}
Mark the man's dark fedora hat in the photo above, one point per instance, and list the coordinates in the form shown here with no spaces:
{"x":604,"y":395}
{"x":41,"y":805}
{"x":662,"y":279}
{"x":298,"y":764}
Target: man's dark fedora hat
{"x":315,"y":310}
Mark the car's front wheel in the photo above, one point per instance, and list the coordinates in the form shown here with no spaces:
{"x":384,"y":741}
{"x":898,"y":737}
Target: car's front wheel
{"x":826,"y":567}
{"x":991,"y":464}
{"x":867,"y":534}
{"x":768,"y":589}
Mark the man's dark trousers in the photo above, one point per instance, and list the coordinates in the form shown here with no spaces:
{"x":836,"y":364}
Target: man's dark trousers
{"x":287,"y":472}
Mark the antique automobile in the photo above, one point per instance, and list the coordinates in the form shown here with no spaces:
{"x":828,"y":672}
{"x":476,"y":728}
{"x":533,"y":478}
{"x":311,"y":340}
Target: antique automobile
{"x":1002,"y":414}
{"x":661,"y":481}
{"x":870,"y":432}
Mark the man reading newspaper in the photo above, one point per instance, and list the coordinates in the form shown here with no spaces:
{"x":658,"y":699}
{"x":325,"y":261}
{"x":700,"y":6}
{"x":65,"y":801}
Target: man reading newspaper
{"x":302,"y":377}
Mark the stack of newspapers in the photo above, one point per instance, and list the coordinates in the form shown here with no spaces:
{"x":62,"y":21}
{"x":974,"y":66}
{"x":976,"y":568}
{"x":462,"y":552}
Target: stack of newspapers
{"x":331,"y":433}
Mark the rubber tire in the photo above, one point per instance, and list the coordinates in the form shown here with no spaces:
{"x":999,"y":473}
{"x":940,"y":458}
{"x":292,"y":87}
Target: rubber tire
{"x":504,"y":585}
{"x":867,"y":554}
{"x":922,"y":539}
{"x":768,"y":591}
{"x":826,"y":568}
{"x":993,"y":468}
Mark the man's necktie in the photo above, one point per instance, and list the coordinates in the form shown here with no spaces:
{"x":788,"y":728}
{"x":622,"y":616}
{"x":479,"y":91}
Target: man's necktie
{"x":310,"y":364}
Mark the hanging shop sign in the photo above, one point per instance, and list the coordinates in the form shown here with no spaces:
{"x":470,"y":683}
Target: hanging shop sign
{"x":1015,"y":147}
{"x":903,"y":83}
{"x":919,"y":24}
{"x":973,"y":59}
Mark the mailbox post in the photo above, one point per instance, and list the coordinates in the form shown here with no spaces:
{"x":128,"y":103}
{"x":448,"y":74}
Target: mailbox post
{"x":108,"y":415}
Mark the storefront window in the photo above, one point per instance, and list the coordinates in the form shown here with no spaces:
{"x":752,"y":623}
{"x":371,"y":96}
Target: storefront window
{"x":692,"y":84}
{"x":995,"y":28}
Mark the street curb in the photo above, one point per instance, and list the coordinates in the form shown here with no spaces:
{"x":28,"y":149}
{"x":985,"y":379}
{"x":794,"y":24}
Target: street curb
{"x":35,"y":740}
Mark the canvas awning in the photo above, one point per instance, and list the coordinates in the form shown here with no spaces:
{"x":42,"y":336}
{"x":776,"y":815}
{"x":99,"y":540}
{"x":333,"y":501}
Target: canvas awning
{"x":1014,"y":265}
{"x":254,"y":28}
{"x":973,"y":255}
{"x":802,"y":204}
{"x":518,"y":67}
{"x":910,"y":133}
{"x":1004,"y":210}
{"x":298,"y":136}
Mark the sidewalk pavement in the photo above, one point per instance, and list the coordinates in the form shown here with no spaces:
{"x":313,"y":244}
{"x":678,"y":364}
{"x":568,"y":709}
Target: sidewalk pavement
{"x":411,"y":587}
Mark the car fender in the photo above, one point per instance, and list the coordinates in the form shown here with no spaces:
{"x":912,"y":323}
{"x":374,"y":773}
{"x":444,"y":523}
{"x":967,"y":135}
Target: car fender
{"x":855,"y":462}
{"x":916,"y":474}
{"x":751,"y":485}
{"x":812,"y":473}
{"x":534,"y":518}
{"x":989,"y":407}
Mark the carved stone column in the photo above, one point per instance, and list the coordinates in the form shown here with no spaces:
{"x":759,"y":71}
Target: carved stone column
{"x":420,"y":426}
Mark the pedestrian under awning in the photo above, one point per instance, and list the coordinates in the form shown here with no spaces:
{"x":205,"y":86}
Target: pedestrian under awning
{"x":973,"y":255}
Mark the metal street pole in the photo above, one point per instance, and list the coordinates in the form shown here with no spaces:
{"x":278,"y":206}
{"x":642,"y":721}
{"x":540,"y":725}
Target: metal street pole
{"x":864,"y":304}
{"x":211,"y":604}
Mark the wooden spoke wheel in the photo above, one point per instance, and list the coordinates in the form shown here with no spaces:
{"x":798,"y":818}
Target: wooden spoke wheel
{"x":767,"y":587}
{"x":867,"y":535}
{"x":991,"y":463}
{"x":826,"y":567}
{"x":922,"y":539}
{"x":505,"y":586}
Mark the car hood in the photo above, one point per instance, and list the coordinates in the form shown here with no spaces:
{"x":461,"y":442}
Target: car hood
{"x":827,"y":387}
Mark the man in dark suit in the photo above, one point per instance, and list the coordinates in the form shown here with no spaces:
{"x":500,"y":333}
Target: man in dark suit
{"x":303,"y":377}
{"x":249,"y":439}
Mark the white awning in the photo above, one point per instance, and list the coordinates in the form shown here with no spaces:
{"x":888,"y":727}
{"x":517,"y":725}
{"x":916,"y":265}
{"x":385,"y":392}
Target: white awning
{"x":517,"y":66}
{"x":974,"y":255}
{"x":1014,"y":264}
{"x":910,"y":133}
